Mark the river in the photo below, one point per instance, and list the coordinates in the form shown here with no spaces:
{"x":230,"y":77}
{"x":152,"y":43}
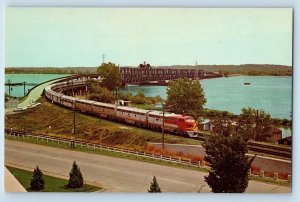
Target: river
{"x":270,"y":93}
{"x":18,"y":91}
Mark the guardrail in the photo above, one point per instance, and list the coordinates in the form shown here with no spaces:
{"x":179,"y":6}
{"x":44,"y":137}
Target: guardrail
{"x":82,"y":144}
{"x":102,"y":147}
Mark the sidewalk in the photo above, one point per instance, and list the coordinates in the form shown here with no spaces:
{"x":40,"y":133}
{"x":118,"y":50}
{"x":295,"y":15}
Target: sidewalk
{"x":11,"y":184}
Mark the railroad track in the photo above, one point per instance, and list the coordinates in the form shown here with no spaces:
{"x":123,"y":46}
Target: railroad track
{"x":258,"y":147}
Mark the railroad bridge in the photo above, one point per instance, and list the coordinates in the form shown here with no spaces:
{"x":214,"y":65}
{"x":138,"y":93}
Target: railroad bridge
{"x":146,"y":75}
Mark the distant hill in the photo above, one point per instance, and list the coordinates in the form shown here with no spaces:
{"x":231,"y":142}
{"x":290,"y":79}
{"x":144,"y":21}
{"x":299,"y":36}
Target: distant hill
{"x":245,"y":69}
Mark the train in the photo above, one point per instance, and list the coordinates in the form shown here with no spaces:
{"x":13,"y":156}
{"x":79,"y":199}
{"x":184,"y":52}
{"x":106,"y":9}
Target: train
{"x":150,"y":119}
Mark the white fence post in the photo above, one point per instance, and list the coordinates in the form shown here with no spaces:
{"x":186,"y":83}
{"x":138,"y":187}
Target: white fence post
{"x":190,"y":162}
{"x":170,"y":158}
{"x":179,"y":160}
{"x":275,"y":176}
{"x":289,"y":178}
{"x":261,"y":173}
{"x":160,"y":157}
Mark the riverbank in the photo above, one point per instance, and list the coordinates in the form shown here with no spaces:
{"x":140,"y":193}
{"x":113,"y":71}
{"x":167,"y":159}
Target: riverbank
{"x":243,"y":69}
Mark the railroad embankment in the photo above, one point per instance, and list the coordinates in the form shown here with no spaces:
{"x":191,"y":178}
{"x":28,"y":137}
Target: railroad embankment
{"x":54,"y":120}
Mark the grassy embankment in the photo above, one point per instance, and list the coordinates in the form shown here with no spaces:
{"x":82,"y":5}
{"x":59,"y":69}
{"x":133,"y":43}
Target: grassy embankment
{"x":57,"y":121}
{"x":52,"y":184}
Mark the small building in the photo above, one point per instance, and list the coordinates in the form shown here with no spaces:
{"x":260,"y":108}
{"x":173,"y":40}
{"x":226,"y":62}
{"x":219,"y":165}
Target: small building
{"x":207,"y":125}
{"x":123,"y":103}
{"x":286,"y":141}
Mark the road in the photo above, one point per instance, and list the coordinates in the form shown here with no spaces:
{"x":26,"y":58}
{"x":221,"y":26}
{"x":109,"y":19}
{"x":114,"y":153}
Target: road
{"x":117,"y":175}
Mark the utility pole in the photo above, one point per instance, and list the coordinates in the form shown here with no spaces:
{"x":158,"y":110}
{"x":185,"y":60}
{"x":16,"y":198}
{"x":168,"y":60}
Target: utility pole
{"x":74,"y":123}
{"x":9,"y":87}
{"x":256,"y":124}
{"x":163,"y":128}
{"x":86,"y":92}
{"x":103,"y":58}
{"x":24,"y":88}
{"x":72,"y":88}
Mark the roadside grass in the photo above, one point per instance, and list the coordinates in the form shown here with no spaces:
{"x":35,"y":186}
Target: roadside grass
{"x":52,"y":184}
{"x":140,"y":158}
{"x":57,"y":121}
{"x":107,"y":153}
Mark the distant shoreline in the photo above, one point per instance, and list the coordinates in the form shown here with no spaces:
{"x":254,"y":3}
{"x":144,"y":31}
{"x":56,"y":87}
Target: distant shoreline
{"x":225,"y":70}
{"x":231,"y":75}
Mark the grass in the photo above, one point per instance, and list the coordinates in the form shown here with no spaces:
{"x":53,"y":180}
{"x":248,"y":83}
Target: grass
{"x":270,"y":180}
{"x":57,"y":121}
{"x":108,"y":153}
{"x":52,"y":184}
{"x":140,"y":158}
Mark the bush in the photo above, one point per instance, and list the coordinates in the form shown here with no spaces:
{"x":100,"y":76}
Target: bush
{"x":37,"y":182}
{"x":150,"y":148}
{"x":283,"y":176}
{"x":76,"y":179}
{"x":154,"y":187}
{"x":255,"y":170}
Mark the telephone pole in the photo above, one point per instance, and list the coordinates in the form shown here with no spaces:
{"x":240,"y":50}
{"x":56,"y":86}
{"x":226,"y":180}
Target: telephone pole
{"x":103,"y":58}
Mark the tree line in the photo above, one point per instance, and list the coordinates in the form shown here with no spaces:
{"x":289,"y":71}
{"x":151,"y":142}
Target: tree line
{"x":225,"y":70}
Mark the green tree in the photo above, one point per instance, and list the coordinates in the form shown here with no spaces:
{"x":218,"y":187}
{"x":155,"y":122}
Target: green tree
{"x":154,"y":187}
{"x":257,"y":124}
{"x":185,"y":96}
{"x":37,"y":182}
{"x":76,"y":179}
{"x":111,"y":76}
{"x":100,"y":94}
{"x":226,"y":74}
{"x":229,"y":165}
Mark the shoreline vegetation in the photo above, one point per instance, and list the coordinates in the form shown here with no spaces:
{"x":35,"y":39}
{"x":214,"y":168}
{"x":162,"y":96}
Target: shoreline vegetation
{"x":225,"y":70}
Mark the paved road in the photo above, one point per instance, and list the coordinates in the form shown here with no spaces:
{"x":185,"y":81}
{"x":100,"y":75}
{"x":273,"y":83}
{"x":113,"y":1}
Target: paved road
{"x":117,"y":175}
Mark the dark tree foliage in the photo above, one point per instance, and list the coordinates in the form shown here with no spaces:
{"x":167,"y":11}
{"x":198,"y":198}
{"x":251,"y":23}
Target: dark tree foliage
{"x":154,"y":187}
{"x":257,"y":124}
{"x":100,"y":94}
{"x":111,"y":76}
{"x":37,"y":182}
{"x":185,"y":96}
{"x":229,"y":166}
{"x":75,"y":180}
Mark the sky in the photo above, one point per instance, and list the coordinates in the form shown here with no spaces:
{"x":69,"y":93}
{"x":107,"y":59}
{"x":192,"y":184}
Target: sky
{"x":67,"y":37}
